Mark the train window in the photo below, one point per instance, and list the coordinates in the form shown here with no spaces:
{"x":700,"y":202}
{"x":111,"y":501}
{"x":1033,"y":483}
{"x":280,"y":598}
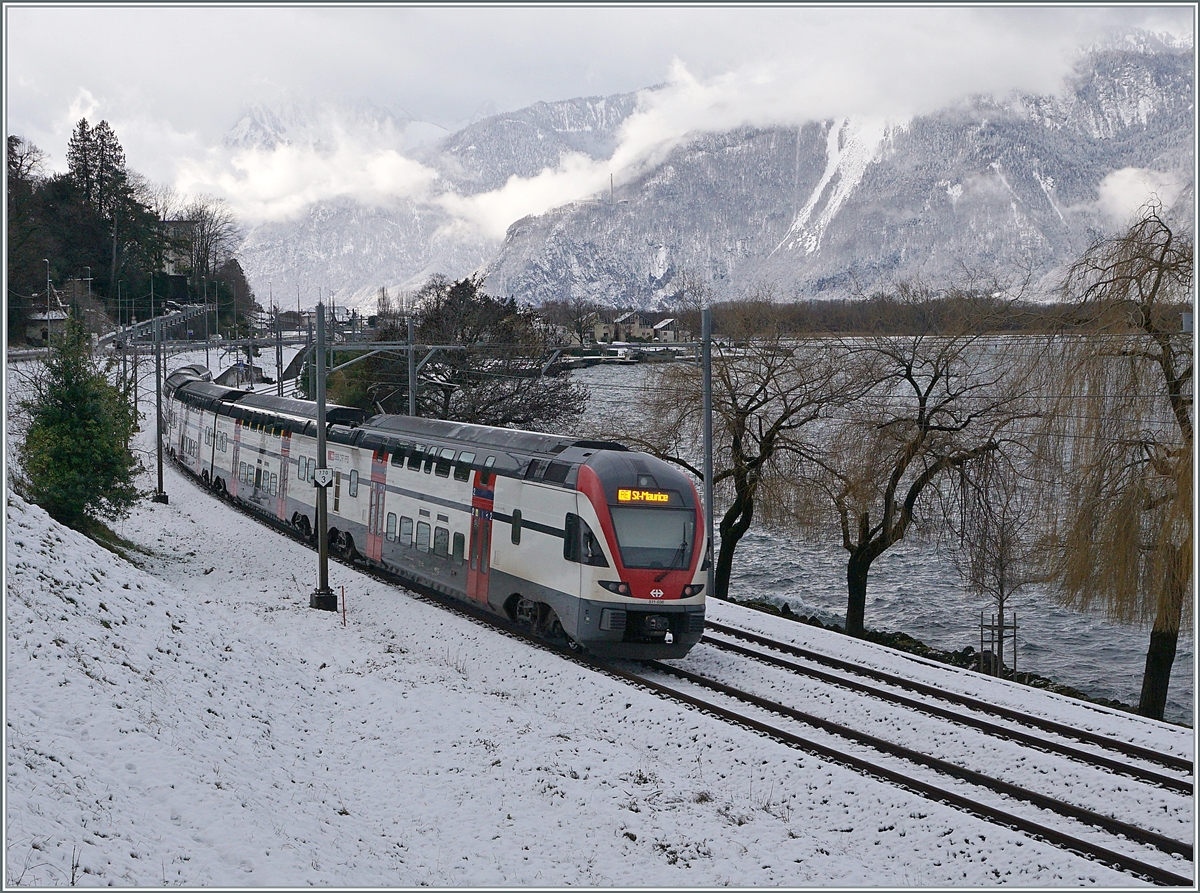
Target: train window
{"x":337,"y":491}
{"x":580,"y":544}
{"x":486,"y":477}
{"x":462,"y":471}
{"x":224,"y":442}
{"x":406,"y":531}
{"x":414,"y":458}
{"x":460,"y":544}
{"x":534,"y":470}
{"x":443,"y":463}
{"x":556,"y":472}
{"x":258,"y":479}
{"x":423,"y":536}
{"x":207,"y":436}
{"x":398,"y":455}
{"x":441,"y":542}
{"x":430,"y":458}
{"x":516,"y":527}
{"x":391,"y":527}
{"x":353,"y":491}
{"x":274,"y":484}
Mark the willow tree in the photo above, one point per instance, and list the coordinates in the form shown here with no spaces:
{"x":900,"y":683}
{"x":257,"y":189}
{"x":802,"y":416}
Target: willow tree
{"x":1122,"y":538}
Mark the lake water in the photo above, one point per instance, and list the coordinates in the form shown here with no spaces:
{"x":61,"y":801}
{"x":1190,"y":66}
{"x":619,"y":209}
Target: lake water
{"x":915,"y":590}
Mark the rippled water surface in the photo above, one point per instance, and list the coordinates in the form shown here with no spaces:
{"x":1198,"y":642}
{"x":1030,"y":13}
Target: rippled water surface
{"x":913,"y":589}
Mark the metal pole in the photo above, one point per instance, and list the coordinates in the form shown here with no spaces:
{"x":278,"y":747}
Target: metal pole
{"x":204,"y":283}
{"x":412,"y":371}
{"x":160,"y":496}
{"x":47,"y":263}
{"x":323,"y":598}
{"x":706,"y":362}
{"x":278,"y":353}
{"x":121,"y":331}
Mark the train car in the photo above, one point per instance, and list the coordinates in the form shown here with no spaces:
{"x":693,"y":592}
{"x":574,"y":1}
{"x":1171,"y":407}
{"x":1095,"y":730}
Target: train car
{"x":583,"y":541}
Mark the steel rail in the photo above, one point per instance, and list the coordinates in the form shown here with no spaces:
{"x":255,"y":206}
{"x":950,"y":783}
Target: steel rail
{"x":1093,"y":759}
{"x":1168,"y":760}
{"x":1069,"y":810}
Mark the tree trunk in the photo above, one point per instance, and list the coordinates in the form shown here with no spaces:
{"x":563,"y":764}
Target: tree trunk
{"x":733,"y":527}
{"x":857,"y":569}
{"x":1164,"y":638}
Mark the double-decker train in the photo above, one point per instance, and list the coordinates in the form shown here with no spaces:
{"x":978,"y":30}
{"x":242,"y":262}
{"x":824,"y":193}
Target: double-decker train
{"x":583,"y":541}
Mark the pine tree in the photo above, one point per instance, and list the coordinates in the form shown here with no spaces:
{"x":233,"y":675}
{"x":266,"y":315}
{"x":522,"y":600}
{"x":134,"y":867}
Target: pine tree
{"x":76,"y":454}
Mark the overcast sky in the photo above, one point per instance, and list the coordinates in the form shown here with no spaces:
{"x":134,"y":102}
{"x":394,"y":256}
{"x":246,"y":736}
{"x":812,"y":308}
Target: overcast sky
{"x":172,"y":81}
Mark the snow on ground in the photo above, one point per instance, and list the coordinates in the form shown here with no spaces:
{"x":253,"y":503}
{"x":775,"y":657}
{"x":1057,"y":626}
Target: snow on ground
{"x":188,"y":719}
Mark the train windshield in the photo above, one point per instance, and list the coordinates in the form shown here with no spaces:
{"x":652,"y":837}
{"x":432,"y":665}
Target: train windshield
{"x":653,"y":537}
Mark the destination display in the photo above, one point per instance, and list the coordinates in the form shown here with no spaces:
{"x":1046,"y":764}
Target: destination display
{"x":643,"y":496}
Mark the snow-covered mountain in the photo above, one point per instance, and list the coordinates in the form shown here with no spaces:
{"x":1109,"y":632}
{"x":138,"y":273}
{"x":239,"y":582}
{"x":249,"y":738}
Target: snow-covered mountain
{"x":830,"y":208}
{"x":999,"y":186}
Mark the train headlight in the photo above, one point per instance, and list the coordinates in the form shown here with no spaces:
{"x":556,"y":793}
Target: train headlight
{"x":619,"y":587}
{"x":692,"y":589}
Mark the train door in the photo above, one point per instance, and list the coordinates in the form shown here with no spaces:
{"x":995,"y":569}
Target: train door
{"x":375,"y":512}
{"x":185,"y":423}
{"x":479,"y":562}
{"x":235,"y":474}
{"x":212,"y":451}
{"x":285,"y":443}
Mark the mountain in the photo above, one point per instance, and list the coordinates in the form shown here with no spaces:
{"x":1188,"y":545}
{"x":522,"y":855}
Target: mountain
{"x":1003,"y":187}
{"x":987,"y":188}
{"x":354,"y":247}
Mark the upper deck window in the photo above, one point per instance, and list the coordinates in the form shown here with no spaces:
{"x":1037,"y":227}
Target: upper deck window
{"x":462,"y":470}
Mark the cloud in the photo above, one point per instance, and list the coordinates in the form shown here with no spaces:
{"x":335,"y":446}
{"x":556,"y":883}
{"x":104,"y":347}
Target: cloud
{"x":263,"y":185}
{"x":720,"y":67}
{"x":1125,"y":192}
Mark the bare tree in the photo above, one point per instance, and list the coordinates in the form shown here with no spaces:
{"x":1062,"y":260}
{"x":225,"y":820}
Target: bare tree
{"x":161,"y":199}
{"x":215,"y":233}
{"x":1123,"y":536}
{"x":768,"y":394}
{"x":996,"y":528}
{"x":931,"y":403}
{"x":577,"y":314}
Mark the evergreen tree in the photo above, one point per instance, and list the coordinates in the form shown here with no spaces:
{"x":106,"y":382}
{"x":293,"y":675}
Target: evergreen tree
{"x":76,"y":454}
{"x":81,"y":160}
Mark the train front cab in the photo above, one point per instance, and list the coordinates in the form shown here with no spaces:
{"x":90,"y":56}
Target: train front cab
{"x":638,"y":537}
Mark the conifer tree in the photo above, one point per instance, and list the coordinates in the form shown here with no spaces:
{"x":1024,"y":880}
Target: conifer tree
{"x":76,"y":454}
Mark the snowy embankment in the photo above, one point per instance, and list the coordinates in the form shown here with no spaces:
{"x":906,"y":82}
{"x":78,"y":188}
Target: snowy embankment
{"x":191,"y":721}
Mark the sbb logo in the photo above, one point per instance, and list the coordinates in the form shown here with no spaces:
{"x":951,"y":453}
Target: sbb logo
{"x":656,"y":593}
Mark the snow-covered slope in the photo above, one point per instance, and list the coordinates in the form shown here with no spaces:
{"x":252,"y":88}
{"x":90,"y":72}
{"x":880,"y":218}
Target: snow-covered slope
{"x":187,"y":719}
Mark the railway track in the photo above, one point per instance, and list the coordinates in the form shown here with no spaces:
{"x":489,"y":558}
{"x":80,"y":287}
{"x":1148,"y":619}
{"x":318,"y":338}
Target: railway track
{"x":1067,"y":825}
{"x":1062,"y":731}
{"x":1040,"y":815}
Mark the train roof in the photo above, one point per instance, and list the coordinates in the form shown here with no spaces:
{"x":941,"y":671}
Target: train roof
{"x":193,"y":383}
{"x":511,"y":440}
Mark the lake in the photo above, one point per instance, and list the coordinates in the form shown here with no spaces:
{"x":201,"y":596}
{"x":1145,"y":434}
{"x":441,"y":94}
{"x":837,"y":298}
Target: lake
{"x":914,"y":589}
